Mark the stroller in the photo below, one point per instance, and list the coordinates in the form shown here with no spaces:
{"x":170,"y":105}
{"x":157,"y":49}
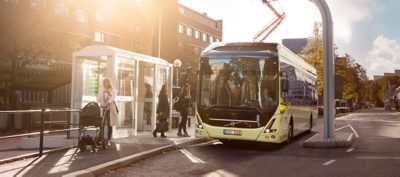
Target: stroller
{"x":90,"y":119}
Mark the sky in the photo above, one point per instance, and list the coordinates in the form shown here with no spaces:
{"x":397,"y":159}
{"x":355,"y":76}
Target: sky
{"x":367,"y":30}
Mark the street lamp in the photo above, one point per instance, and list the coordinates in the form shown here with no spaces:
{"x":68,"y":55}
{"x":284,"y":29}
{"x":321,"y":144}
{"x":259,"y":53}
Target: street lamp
{"x":177,"y":65}
{"x":329,"y":69}
{"x":159,"y":33}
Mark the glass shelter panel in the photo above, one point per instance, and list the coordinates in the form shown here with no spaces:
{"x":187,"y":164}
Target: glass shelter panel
{"x":88,"y":71}
{"x":126,"y":74}
{"x":145,"y":96}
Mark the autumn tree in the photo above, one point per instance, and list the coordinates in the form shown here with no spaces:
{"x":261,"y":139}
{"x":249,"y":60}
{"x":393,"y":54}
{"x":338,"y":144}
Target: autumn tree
{"x":313,"y":54}
{"x":352,"y":74}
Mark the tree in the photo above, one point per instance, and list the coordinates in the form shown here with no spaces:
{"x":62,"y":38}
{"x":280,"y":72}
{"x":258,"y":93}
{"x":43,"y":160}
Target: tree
{"x":352,"y":74}
{"x":313,"y":54}
{"x":33,"y":35}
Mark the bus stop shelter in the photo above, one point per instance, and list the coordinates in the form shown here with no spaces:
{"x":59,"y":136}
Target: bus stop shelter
{"x":136,"y":77}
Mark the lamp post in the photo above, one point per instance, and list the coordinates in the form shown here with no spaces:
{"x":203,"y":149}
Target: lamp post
{"x":177,"y":65}
{"x":329,"y":67}
{"x":159,"y":33}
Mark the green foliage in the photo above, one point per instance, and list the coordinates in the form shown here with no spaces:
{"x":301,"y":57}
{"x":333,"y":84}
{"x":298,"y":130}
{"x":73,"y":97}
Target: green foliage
{"x":313,"y":54}
{"x":353,"y":74}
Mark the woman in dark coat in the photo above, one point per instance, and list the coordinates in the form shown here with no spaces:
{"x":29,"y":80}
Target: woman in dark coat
{"x":162,"y":111}
{"x":186,"y":105}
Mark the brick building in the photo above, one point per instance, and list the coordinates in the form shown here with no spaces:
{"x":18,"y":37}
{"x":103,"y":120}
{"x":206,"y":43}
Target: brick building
{"x":38,"y":37}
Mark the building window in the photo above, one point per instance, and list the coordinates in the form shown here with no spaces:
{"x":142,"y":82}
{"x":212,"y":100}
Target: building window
{"x":211,"y":39}
{"x":12,"y":1}
{"x":99,"y":17}
{"x":204,"y":37}
{"x":181,"y":11}
{"x":81,"y":16}
{"x":61,"y":9}
{"x":99,"y":36}
{"x":196,"y":34}
{"x":189,"y":31}
{"x":37,"y":4}
{"x":218,"y":40}
{"x":180,"y":28}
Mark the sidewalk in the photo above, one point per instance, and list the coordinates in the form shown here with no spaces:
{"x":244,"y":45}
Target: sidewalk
{"x":121,"y":152}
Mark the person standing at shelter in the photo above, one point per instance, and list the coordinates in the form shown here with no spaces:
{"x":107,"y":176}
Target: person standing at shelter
{"x":162,"y":112}
{"x":186,"y":106}
{"x":106,"y":99}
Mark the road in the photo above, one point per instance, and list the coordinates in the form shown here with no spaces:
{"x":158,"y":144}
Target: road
{"x":375,"y":152}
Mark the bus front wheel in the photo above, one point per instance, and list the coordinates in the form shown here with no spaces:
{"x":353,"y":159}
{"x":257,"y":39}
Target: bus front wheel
{"x":290,"y":133}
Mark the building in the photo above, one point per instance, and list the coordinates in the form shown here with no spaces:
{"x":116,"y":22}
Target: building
{"x":38,"y":37}
{"x":196,"y":32}
{"x":295,"y":45}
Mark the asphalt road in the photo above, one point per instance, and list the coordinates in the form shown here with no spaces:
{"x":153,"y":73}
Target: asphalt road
{"x":375,"y":152}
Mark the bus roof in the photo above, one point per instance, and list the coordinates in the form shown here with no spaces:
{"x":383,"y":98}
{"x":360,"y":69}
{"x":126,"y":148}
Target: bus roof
{"x":258,"y":49}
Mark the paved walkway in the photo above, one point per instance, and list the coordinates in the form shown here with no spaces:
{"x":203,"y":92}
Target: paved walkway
{"x":71,"y":160}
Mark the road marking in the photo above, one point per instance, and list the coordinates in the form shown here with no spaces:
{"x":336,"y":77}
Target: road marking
{"x":379,"y":158}
{"x":220,"y":172}
{"x":349,"y":150}
{"x":329,"y":162}
{"x":349,"y":138}
{"x":342,"y":127}
{"x":191,"y":157}
{"x":213,"y":142}
{"x":355,"y":133}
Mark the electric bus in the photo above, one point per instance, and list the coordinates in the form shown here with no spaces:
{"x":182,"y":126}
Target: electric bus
{"x":254,"y":91}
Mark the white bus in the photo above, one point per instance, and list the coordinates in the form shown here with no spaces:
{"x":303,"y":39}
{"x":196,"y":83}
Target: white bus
{"x":255,"y":92}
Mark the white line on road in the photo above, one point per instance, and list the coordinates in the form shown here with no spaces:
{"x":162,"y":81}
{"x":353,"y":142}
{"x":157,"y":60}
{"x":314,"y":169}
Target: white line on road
{"x":379,"y":158}
{"x":355,"y":133}
{"x":342,"y":127}
{"x":329,"y":162}
{"x":349,"y":150}
{"x":191,"y":157}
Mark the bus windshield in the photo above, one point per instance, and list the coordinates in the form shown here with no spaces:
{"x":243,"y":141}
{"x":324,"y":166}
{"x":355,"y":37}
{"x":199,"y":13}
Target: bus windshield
{"x":234,"y":82}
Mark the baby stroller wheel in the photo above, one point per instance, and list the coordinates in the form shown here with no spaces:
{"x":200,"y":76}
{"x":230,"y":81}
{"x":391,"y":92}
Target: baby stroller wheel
{"x":82,"y":146}
{"x":94,"y":146}
{"x":104,"y":143}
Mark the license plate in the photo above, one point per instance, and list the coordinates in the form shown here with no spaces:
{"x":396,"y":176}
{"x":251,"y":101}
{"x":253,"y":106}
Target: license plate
{"x":232,"y":132}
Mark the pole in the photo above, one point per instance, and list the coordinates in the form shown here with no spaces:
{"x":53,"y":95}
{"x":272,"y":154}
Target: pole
{"x":42,"y":114}
{"x":159,"y":34}
{"x":329,"y":67}
{"x":177,"y":76}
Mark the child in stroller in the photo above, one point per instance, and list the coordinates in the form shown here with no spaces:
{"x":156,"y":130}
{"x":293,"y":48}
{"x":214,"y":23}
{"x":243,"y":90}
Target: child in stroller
{"x":90,"y":119}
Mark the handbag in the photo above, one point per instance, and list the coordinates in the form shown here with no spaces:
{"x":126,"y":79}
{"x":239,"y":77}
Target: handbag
{"x":162,"y":126}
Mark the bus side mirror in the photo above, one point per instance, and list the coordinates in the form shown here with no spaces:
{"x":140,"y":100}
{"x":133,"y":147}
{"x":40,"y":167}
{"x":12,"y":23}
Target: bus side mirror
{"x":285,"y":85}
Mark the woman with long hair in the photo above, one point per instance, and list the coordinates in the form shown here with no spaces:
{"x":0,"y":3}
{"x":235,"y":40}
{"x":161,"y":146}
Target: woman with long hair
{"x":106,"y":99}
{"x":162,"y":112}
{"x":186,"y":105}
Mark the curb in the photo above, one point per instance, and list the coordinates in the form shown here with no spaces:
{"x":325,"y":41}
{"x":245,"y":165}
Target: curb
{"x":126,"y":161}
{"x":31,"y":155}
{"x":340,"y":140}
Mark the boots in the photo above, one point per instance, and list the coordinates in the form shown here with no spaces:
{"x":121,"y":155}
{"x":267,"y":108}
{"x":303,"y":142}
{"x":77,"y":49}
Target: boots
{"x":155,"y":133}
{"x":162,"y":135}
{"x":186,"y":134}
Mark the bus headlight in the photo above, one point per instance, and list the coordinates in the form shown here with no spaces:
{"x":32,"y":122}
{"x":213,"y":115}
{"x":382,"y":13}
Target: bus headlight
{"x":199,"y":124}
{"x":269,"y":127}
{"x":269,"y":130}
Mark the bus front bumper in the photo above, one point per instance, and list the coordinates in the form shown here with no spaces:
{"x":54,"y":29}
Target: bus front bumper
{"x":208,"y":131}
